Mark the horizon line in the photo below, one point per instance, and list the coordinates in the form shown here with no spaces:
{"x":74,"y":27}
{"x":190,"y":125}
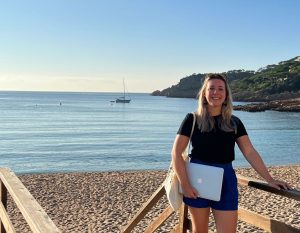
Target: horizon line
{"x":73,"y":91}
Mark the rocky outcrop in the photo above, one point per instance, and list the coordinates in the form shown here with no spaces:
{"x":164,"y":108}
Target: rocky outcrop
{"x":291,"y":105}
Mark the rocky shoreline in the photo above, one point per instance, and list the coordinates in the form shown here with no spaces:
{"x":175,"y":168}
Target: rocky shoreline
{"x":291,"y":105}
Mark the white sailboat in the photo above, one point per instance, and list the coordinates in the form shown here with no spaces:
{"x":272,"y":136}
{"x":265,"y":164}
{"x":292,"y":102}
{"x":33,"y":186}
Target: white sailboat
{"x":123,"y":98}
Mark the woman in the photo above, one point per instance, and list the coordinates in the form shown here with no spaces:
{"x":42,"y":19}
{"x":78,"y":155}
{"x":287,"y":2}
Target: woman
{"x":215,"y":134}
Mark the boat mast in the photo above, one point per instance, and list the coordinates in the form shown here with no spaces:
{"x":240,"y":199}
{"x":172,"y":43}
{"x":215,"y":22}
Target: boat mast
{"x":124,"y":88}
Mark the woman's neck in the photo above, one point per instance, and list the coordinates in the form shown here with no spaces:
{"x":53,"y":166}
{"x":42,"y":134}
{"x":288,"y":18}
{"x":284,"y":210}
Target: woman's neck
{"x":214,"y":111}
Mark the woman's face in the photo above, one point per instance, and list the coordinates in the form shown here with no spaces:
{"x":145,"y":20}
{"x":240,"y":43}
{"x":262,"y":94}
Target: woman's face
{"x":215,"y":93}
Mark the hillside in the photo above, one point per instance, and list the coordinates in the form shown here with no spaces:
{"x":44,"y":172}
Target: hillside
{"x":273,"y":82}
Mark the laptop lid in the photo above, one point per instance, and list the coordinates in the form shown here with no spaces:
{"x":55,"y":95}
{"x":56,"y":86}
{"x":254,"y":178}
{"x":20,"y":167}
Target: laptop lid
{"x":207,"y":180}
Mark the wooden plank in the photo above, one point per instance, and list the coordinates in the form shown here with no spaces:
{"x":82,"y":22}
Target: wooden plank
{"x":3,"y":199}
{"x":189,"y":224}
{"x":145,"y":209}
{"x":3,"y":193}
{"x":183,"y":219}
{"x":294,"y":194}
{"x":160,"y":220}
{"x":33,"y":213}
{"x":9,"y":228}
{"x":264,"y":222}
{"x":254,"y":219}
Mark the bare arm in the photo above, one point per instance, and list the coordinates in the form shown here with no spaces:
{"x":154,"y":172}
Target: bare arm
{"x":179,"y":146}
{"x":257,"y":163}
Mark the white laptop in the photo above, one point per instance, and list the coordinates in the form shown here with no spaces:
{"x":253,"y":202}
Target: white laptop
{"x":207,"y":180}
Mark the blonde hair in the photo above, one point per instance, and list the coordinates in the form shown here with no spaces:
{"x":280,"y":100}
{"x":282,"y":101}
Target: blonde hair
{"x":205,"y":121}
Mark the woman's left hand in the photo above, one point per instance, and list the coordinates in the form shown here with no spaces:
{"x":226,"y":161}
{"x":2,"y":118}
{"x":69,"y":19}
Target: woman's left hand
{"x":278,"y":184}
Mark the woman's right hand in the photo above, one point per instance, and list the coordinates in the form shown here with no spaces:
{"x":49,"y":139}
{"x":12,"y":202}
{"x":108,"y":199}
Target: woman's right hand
{"x":190,"y":192}
{"x":179,"y":146}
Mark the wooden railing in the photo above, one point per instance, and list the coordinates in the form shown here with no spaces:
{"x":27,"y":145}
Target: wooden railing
{"x":247,"y":216}
{"x":36,"y":218}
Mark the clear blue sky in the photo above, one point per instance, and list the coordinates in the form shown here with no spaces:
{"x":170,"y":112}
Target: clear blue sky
{"x":91,"y":45}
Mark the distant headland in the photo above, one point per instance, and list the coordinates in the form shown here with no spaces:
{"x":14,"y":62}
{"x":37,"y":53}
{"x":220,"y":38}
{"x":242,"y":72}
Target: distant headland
{"x":276,"y":87}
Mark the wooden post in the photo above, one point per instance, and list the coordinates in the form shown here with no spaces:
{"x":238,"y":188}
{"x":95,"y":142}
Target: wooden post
{"x":183,"y":220}
{"x":3,"y":197}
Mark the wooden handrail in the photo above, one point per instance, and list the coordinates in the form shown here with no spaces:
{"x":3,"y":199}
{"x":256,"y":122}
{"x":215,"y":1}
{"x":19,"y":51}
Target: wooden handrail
{"x":157,"y":195}
{"x":5,"y":221}
{"x":242,"y":180}
{"x":261,"y":221}
{"x":33,"y":213}
{"x":160,"y":220}
{"x":250,"y":217}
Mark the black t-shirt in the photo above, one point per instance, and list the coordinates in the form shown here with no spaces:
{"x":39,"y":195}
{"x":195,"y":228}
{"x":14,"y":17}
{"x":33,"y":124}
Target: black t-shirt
{"x":216,"y":146}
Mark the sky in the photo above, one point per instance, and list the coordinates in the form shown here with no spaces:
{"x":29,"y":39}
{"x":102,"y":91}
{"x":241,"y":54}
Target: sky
{"x":92,"y":45}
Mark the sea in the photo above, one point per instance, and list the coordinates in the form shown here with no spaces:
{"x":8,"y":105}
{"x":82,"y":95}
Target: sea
{"x":50,"y":132}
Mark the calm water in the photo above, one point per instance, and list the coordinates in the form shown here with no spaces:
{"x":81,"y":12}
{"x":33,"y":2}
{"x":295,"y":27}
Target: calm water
{"x":61,"y":132}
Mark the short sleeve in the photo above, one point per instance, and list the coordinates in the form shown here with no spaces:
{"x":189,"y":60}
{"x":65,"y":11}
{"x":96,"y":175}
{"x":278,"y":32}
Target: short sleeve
{"x":186,"y":125}
{"x":241,"y":130}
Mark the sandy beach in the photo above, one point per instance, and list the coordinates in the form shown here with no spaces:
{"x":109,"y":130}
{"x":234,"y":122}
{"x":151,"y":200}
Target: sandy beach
{"x":106,"y":201}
